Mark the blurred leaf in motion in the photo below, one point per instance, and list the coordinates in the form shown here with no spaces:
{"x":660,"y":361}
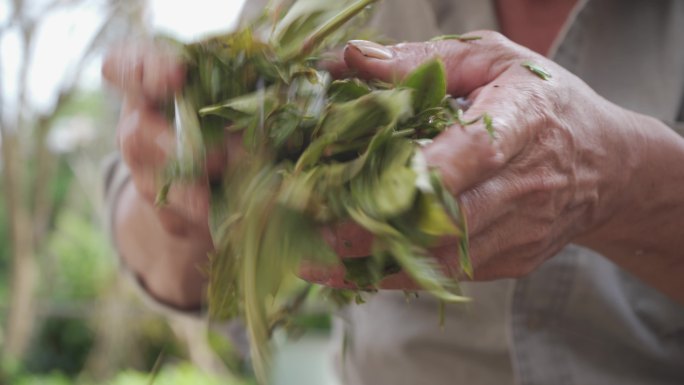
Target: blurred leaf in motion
{"x":318,"y":152}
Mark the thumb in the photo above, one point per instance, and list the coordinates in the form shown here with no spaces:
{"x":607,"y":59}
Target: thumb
{"x":471,"y":62}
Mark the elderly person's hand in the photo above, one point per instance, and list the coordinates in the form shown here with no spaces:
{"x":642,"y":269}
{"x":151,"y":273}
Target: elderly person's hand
{"x":164,"y":246}
{"x":564,"y":165}
{"x":148,"y":75}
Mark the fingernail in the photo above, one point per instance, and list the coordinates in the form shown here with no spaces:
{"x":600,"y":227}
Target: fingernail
{"x":372,"y":50}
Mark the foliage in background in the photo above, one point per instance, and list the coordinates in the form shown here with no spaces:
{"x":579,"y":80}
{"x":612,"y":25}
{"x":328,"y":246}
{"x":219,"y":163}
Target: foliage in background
{"x":31,"y":169}
{"x":62,"y":345}
{"x":183,"y":374}
{"x":175,"y":375}
{"x":84,"y":262}
{"x":66,"y":318}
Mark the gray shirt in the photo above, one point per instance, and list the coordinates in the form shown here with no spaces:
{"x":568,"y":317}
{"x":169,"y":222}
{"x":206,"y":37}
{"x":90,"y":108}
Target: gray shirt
{"x":578,"y":319}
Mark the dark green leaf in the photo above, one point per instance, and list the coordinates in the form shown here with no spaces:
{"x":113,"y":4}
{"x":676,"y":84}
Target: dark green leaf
{"x":346,"y":90}
{"x":246,"y":106}
{"x":428,"y":83}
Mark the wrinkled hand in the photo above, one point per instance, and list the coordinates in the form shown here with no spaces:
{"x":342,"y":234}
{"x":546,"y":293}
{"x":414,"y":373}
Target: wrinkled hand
{"x":551,"y":173}
{"x":148,"y":75}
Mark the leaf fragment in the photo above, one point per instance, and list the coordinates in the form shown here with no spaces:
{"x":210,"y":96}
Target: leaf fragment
{"x":428,"y":83}
{"x":489,"y":125}
{"x":538,"y":70}
{"x":456,"y":37}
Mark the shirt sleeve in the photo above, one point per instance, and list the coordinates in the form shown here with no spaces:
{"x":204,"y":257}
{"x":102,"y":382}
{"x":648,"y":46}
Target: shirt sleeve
{"x":678,"y":126}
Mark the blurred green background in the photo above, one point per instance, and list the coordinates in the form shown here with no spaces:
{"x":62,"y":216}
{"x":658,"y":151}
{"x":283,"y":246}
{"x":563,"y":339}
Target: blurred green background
{"x":68,"y":316}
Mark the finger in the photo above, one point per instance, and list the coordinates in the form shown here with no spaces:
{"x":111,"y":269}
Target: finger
{"x":163,"y":73}
{"x":190,"y":200}
{"x":334,"y":276}
{"x":216,"y":161}
{"x":470,"y":64}
{"x":144,"y":69}
{"x":514,"y":263}
{"x":483,"y":207}
{"x":223,"y":154}
{"x":509,"y":236}
{"x":186,"y":206}
{"x":146,"y":144}
{"x":468,"y":155}
{"x":446,"y":254}
{"x":144,"y":137}
{"x":352,"y":240}
{"x":463,"y":156}
{"x":178,"y":226}
{"x":517,"y":242}
{"x":334,"y":63}
{"x":326,"y":275}
{"x":513,"y":190}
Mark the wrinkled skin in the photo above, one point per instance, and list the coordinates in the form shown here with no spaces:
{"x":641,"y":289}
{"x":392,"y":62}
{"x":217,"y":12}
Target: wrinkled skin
{"x":565,"y":165}
{"x":537,"y":185}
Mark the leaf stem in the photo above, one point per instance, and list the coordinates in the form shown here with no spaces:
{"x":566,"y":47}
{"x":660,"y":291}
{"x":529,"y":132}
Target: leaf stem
{"x":404,"y":133}
{"x":329,"y":27}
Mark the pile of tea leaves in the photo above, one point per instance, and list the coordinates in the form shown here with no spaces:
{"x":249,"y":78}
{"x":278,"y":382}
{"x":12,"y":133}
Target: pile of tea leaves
{"x":319,"y":152}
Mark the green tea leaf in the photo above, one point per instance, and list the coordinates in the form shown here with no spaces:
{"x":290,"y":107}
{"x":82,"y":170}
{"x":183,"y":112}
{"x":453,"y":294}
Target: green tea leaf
{"x":395,"y":191}
{"x":456,"y":37}
{"x":428,"y":83}
{"x":348,"y":89}
{"x":190,"y":151}
{"x":243,"y":107}
{"x":433,"y":220}
{"x":537,"y":70}
{"x":489,"y":125}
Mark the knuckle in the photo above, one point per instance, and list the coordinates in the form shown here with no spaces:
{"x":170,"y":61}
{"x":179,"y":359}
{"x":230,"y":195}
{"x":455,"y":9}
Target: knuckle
{"x":496,"y":40}
{"x":538,"y":238}
{"x":130,"y":146}
{"x":173,"y":223}
{"x":112,"y":64}
{"x":144,"y":140}
{"x":473,"y":204}
{"x":543,"y":203}
{"x":107,"y":68}
{"x":505,"y":49}
{"x":488,"y":150}
{"x":127,"y":147}
{"x":148,"y":195}
{"x":487,"y":35}
{"x":494,"y":36}
{"x":146,"y":190}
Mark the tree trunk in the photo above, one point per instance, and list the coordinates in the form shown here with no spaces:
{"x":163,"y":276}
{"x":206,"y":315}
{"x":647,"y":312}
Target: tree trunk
{"x":21,"y":315}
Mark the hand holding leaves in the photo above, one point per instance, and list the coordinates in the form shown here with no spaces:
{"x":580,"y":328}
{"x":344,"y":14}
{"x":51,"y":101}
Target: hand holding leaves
{"x":524,"y":160}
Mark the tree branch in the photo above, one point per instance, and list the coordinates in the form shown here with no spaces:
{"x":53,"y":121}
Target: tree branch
{"x":42,"y":204}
